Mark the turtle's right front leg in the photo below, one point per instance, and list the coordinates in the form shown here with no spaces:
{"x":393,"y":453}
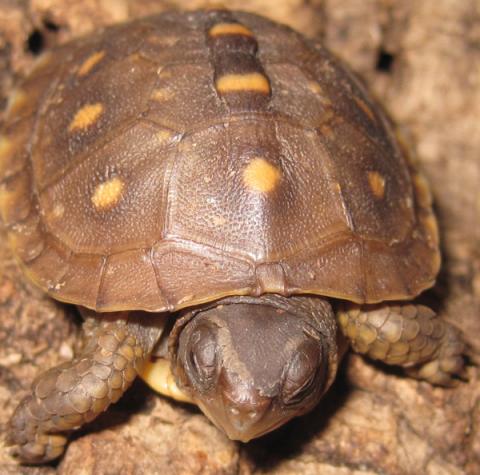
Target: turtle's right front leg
{"x":71,"y":394}
{"x":408,"y":335}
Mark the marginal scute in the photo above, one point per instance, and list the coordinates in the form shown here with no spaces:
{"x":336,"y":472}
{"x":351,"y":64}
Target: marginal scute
{"x":422,"y":190}
{"x":15,"y":198}
{"x":431,"y":227}
{"x":206,"y":274}
{"x":5,"y":147}
{"x":27,"y":239}
{"x":6,"y":155}
{"x":364,"y":107}
{"x":42,"y":62}
{"x":50,"y":266}
{"x":80,"y":280}
{"x":270,"y":278}
{"x":14,"y":148}
{"x":118,"y":288}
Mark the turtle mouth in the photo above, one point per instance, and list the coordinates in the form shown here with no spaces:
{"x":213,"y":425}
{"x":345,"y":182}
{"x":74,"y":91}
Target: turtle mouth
{"x":247,"y":437}
{"x":240,"y":424}
{"x":242,"y":412}
{"x":270,"y":428}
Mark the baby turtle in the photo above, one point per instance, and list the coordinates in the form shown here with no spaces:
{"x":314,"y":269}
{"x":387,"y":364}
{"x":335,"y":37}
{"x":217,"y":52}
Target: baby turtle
{"x":218,"y":178}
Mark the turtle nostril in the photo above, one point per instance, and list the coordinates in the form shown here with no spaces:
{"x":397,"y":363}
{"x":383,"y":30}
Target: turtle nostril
{"x":243,"y":417}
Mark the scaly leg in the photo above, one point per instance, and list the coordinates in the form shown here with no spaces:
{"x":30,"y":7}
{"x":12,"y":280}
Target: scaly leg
{"x":74,"y":393}
{"x":407,"y":335}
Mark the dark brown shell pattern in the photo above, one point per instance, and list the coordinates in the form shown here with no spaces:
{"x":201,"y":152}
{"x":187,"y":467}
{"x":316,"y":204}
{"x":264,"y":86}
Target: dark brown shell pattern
{"x":185,"y":157}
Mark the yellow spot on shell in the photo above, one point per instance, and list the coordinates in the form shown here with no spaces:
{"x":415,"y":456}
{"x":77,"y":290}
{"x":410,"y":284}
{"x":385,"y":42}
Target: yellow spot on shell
{"x":164,"y":136}
{"x":164,"y":73}
{"x":315,"y":87}
{"x":58,"y":211}
{"x":259,"y":175}
{"x":255,"y":82}
{"x":6,"y":148}
{"x":422,"y":190}
{"x":229,"y":29}
{"x":319,"y":92}
{"x":5,"y":201}
{"x":377,"y":184}
{"x":327,"y":131}
{"x":365,"y":108}
{"x":16,"y":101}
{"x":86,"y":116}
{"x":431,"y":226}
{"x":162,"y":94}
{"x":158,"y":376}
{"x":108,"y":194}
{"x":90,"y":62}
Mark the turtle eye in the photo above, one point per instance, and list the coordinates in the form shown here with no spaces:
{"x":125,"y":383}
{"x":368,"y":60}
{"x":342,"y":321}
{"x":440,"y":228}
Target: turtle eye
{"x":202,"y":356}
{"x":300,"y":380}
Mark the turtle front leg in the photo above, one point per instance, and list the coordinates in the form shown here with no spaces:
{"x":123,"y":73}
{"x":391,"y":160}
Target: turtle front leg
{"x":408,"y":335}
{"x":74,"y":393}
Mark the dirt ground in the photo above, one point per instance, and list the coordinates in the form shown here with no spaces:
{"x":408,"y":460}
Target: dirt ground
{"x":422,"y":61}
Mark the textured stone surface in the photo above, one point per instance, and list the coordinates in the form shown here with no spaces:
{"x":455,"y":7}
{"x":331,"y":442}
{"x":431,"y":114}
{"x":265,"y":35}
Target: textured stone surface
{"x":422,"y":60}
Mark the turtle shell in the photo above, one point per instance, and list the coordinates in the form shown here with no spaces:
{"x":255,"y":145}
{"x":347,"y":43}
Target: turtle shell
{"x":185,"y":157}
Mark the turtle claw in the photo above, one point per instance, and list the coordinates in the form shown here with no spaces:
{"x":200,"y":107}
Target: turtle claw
{"x":11,"y":447}
{"x":447,"y":372}
{"x":13,"y":451}
{"x":31,"y":456}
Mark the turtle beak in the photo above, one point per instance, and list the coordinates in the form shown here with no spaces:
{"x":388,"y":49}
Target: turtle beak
{"x":244,"y":420}
{"x":241,"y":419}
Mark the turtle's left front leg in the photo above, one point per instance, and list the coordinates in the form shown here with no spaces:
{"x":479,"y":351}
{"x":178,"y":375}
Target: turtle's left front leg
{"x":408,"y":335}
{"x":65,"y":397}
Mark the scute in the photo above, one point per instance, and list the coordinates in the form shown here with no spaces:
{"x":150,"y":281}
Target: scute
{"x":135,"y":158}
{"x":126,"y":182}
{"x":85,"y":114}
{"x":172,"y":103}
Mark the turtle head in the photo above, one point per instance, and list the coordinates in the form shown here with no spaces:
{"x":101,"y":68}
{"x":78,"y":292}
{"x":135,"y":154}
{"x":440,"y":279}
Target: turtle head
{"x":252,"y":364}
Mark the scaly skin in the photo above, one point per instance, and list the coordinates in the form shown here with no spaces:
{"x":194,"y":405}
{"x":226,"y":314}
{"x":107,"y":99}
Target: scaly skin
{"x":407,"y":335}
{"x":74,"y":393}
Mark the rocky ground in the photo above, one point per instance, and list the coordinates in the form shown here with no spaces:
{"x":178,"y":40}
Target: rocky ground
{"x":422,"y":60}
